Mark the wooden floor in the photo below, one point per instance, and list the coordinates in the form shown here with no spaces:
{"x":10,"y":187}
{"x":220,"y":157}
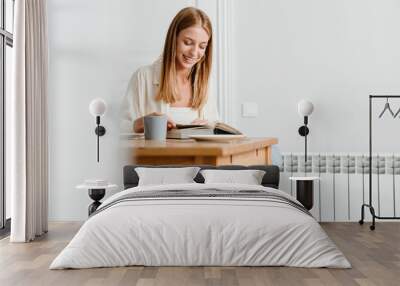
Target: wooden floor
{"x":374,"y":255}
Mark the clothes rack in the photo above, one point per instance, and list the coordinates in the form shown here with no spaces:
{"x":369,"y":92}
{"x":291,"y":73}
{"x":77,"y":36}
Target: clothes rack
{"x":370,"y":206}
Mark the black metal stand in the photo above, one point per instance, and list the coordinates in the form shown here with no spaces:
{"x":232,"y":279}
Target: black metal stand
{"x":96,"y":195}
{"x":304,"y":131}
{"x":369,"y":205}
{"x":305,"y":193}
{"x":100,"y":131}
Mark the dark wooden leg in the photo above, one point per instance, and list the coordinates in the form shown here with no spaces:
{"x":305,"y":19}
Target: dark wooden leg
{"x":305,"y":193}
{"x":96,"y":195}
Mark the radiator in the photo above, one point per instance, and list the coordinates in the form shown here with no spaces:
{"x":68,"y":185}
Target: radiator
{"x":344,"y":183}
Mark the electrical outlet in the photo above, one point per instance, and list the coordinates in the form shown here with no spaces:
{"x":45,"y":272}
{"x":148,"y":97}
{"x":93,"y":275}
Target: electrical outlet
{"x":249,"y":109}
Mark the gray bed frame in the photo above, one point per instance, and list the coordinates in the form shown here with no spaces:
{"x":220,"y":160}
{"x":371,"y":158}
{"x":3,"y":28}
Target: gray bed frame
{"x":270,"y":179}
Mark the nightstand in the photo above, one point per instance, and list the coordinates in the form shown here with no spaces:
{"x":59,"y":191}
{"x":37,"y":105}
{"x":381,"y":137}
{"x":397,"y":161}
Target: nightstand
{"x":305,"y":190}
{"x":96,"y":193}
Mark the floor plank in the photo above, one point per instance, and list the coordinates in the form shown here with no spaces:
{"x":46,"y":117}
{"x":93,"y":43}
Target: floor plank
{"x":374,"y":255}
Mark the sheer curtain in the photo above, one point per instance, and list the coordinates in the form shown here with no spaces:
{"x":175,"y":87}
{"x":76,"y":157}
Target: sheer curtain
{"x":27,"y":143}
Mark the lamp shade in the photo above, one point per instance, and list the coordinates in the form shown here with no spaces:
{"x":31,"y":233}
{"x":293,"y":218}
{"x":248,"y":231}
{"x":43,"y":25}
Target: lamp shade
{"x":305,"y":107}
{"x":97,"y":107}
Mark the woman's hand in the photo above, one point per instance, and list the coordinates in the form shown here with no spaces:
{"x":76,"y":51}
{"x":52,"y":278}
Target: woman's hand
{"x":199,"y":121}
{"x":170,"y":123}
{"x":138,"y":125}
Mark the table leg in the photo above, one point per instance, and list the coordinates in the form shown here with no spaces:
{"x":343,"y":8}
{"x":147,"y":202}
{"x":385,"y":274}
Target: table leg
{"x":268,"y":155}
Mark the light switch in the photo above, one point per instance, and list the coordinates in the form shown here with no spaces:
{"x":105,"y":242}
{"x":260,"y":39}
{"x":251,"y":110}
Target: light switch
{"x":249,"y":109}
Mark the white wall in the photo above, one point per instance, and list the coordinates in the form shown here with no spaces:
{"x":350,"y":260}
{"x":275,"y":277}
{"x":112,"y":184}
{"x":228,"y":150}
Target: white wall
{"x":334,"y":53}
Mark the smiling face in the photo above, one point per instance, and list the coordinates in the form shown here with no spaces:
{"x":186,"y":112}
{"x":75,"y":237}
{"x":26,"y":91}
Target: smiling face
{"x":188,"y":48}
{"x":191,"y":45}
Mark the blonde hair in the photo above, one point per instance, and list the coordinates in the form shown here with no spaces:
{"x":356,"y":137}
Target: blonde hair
{"x":200,"y":72}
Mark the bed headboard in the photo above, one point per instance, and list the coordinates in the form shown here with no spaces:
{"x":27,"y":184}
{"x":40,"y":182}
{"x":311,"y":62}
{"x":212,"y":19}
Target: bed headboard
{"x":270,"y":179}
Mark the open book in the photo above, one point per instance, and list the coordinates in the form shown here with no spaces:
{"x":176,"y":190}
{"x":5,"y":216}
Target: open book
{"x":184,"y":131}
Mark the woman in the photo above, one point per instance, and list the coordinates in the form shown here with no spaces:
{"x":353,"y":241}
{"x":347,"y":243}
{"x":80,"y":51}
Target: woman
{"x":176,"y":84}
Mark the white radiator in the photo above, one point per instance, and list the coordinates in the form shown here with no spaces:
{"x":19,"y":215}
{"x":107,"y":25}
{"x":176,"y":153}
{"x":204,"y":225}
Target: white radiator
{"x":344,"y":183}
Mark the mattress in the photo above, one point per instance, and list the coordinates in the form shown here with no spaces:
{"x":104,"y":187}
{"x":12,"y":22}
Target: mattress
{"x":201,"y":225}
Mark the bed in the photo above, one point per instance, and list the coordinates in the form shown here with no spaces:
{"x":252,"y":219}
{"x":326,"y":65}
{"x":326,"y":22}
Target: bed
{"x":201,"y":224}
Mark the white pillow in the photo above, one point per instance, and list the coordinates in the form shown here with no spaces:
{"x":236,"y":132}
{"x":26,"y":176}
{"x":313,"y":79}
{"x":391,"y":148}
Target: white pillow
{"x":249,"y":177}
{"x":164,"y":176}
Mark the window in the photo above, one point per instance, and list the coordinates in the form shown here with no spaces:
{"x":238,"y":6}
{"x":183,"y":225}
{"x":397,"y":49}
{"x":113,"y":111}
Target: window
{"x":6,"y":44}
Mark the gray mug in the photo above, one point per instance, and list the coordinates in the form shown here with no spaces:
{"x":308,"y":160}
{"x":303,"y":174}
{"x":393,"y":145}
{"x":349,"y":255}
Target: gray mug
{"x":155,"y":127}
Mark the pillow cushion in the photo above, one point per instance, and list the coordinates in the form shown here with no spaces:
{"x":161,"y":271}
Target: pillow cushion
{"x":163,"y":176}
{"x":248,"y":177}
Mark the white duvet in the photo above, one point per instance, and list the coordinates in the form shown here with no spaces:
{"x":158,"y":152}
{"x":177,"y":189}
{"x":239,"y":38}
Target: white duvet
{"x":200,"y":231}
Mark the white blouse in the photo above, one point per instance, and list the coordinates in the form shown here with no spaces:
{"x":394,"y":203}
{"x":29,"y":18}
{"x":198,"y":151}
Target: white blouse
{"x":140,"y":99}
{"x":183,"y":115}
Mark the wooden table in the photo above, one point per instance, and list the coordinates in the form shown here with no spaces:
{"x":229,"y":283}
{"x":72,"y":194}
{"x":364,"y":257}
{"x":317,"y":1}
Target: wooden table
{"x":248,"y":151}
